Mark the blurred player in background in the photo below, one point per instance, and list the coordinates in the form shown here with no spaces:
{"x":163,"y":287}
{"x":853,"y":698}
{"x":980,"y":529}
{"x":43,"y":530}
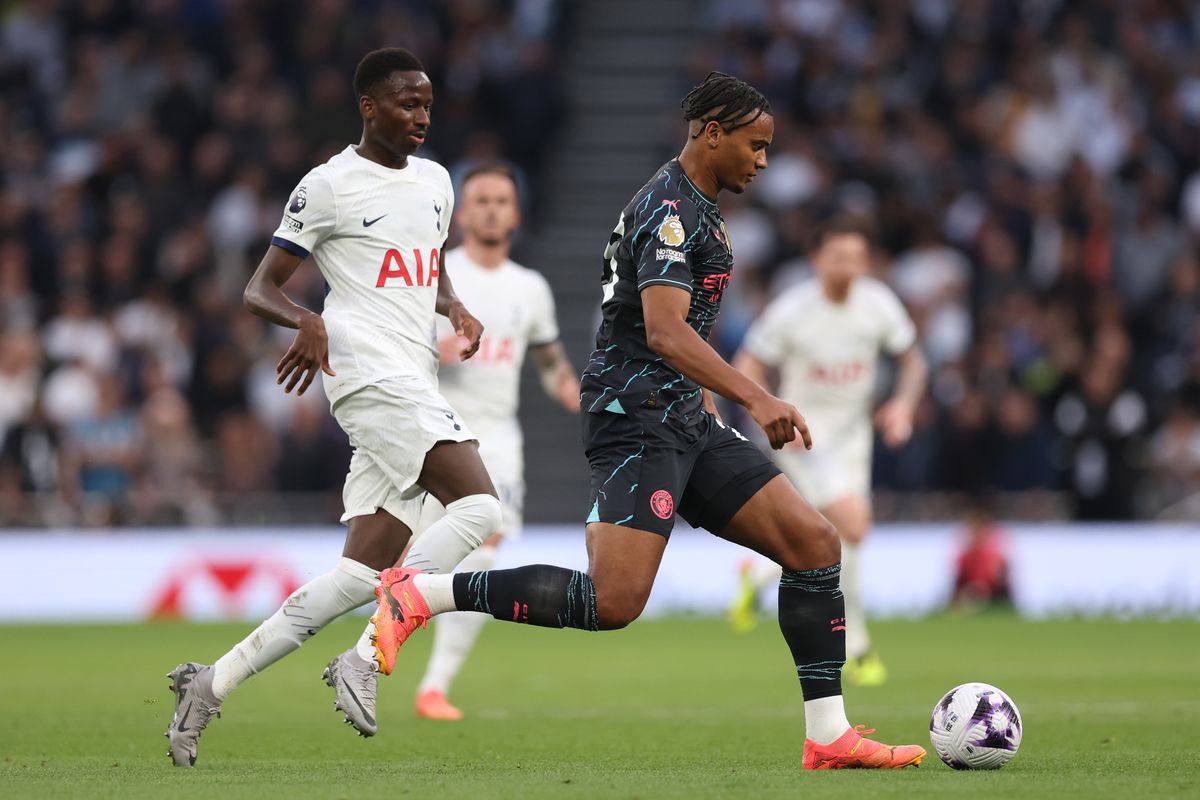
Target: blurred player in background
{"x":374,"y":218}
{"x":825,"y":337}
{"x":517,"y":310}
{"x":656,"y":449}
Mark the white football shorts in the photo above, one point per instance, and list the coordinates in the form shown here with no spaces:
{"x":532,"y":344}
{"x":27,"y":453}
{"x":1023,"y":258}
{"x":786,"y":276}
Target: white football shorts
{"x":392,"y":426}
{"x":828,"y":472}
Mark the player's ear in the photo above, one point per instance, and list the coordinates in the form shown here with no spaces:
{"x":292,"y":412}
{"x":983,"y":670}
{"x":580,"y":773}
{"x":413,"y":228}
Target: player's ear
{"x":366,"y":106}
{"x":713,"y":133}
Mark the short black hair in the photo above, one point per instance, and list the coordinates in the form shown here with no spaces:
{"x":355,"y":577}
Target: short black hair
{"x":489,"y":168}
{"x":378,"y":64}
{"x":726,"y":99}
{"x":840,"y":225}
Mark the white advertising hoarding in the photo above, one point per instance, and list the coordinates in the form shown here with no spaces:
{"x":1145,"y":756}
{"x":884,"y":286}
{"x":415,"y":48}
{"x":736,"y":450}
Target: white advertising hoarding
{"x":118,"y":576}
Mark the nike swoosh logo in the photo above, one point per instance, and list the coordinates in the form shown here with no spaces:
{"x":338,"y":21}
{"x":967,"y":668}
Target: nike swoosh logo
{"x":357,"y":702}
{"x":182,"y":728}
{"x":372,"y":222}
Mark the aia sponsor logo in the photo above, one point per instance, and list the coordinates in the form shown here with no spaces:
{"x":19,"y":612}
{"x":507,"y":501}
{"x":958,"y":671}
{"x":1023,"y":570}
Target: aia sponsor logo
{"x":494,"y":352}
{"x":837,"y":374}
{"x":397,"y":271}
{"x":838,"y":624}
{"x":662,"y":504}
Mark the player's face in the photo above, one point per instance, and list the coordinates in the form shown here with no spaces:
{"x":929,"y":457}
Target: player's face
{"x":397,"y":112}
{"x":841,"y":259}
{"x":488,"y":209}
{"x":742,"y":154}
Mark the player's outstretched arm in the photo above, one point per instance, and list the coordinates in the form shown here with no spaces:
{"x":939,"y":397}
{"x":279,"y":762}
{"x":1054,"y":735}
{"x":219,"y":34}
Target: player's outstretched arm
{"x":556,"y":373}
{"x":264,"y":296}
{"x":665,"y":309}
{"x":450,"y":307}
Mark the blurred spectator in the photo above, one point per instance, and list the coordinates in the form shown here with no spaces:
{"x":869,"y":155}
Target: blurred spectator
{"x":1033,"y":170}
{"x":146,"y":151}
{"x":174,"y":482}
{"x":104,"y":454}
{"x":981,"y":568}
{"x":1034,"y":173}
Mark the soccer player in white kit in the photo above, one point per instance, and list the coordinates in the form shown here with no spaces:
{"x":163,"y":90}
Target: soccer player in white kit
{"x":825,"y":337}
{"x":374,"y":219}
{"x":517,"y":309}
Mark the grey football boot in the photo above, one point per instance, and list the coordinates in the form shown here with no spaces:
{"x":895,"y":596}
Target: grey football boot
{"x":354,"y":683}
{"x":195,"y":707}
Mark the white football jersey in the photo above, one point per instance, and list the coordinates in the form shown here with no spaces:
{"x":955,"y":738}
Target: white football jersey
{"x":376,"y":234}
{"x":516,"y":308}
{"x":827,"y":353}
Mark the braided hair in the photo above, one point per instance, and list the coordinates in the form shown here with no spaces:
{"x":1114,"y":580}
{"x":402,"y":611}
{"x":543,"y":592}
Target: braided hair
{"x":726,"y":100}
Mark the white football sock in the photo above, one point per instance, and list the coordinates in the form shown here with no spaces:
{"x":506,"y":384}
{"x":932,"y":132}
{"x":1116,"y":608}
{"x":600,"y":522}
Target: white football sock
{"x":825,"y":719}
{"x":454,"y":634}
{"x":439,"y":548}
{"x":438,"y":591}
{"x":467,"y":523}
{"x":858,"y":640}
{"x":310,"y":608}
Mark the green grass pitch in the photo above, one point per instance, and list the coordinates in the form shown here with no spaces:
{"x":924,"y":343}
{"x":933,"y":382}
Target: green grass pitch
{"x":673,"y":708}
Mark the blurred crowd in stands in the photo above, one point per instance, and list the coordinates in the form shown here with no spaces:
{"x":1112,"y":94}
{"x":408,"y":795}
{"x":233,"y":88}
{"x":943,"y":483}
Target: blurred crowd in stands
{"x":1032,"y":169}
{"x":147,"y":150}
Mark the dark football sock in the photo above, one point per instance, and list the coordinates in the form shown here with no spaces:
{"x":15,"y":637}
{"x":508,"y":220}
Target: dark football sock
{"x":812,"y":616}
{"x":552,"y":597}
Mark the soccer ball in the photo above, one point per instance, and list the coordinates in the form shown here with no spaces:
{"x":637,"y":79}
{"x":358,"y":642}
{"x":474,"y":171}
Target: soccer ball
{"x":975,"y":726}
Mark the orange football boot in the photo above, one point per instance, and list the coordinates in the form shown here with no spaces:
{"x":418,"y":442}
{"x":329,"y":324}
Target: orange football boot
{"x":432,"y":704}
{"x":852,"y":751}
{"x":401,"y":611}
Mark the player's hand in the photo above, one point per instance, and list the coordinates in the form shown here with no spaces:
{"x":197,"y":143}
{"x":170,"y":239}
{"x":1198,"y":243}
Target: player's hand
{"x":308,"y":354}
{"x":467,"y":327}
{"x":448,"y":349}
{"x":779,"y":420}
{"x":894,"y":419}
{"x":567,"y":391}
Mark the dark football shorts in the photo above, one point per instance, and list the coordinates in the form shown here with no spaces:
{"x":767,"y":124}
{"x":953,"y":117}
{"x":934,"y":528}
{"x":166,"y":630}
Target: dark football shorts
{"x":646,"y":472}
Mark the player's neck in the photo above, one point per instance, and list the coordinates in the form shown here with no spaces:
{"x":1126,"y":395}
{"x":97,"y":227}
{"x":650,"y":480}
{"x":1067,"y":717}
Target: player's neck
{"x":699,"y":173}
{"x":373,"y":151}
{"x":835,"y":294}
{"x":488,"y":256}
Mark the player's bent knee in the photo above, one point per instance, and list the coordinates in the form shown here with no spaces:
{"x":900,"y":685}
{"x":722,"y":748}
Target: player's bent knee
{"x":616,"y":608}
{"x":480,"y":515}
{"x":816,"y":544}
{"x":826,"y":547}
{"x":616,"y":616}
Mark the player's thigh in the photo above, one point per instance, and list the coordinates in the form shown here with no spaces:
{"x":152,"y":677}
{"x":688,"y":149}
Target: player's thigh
{"x":851,"y":515}
{"x":622,"y":563}
{"x":780,"y":524}
{"x":377,"y":539}
{"x":454,"y":470}
{"x":727,"y":473}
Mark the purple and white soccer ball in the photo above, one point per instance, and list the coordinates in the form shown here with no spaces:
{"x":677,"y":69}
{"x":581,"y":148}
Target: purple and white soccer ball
{"x":975,"y":726}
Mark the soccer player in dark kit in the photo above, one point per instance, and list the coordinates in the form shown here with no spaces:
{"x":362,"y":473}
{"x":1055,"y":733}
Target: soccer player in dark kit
{"x":657,"y":448}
